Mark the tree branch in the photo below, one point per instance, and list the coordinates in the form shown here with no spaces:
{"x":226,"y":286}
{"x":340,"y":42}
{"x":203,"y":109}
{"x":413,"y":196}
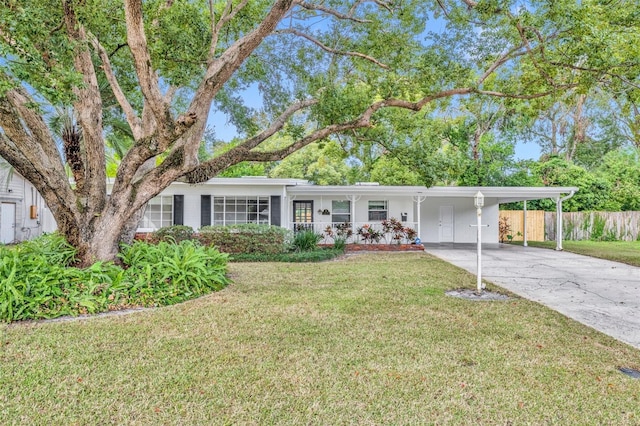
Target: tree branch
{"x":88,"y":107}
{"x":329,"y":49}
{"x":28,"y":146}
{"x":137,"y":41}
{"x":132,"y":118}
{"x":530,"y":96}
{"x":503,"y":59}
{"x":219,"y":70}
{"x":527,"y":45}
{"x":227,"y":15}
{"x":380,"y":3}
{"x":333,"y":12}
{"x":244,"y":151}
{"x":207,"y":170}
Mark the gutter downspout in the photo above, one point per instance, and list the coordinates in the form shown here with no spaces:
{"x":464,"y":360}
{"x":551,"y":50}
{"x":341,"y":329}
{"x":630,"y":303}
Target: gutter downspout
{"x":559,"y":220}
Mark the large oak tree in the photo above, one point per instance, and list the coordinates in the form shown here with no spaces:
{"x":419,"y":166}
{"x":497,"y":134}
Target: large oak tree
{"x":322,"y":67}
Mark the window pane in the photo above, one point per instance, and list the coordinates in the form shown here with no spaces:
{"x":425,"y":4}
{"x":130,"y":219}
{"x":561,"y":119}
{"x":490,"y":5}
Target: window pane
{"x":158,"y":213}
{"x":341,"y":218}
{"x":377,"y":205}
{"x":378,"y":210}
{"x":339,"y":206}
{"x":375,"y":215}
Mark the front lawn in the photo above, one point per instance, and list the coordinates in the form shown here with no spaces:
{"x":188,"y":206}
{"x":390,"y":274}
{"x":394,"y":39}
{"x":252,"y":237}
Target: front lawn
{"x":368,"y":339}
{"x":619,"y":251}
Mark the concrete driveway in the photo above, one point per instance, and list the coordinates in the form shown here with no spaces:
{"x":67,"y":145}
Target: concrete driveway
{"x":601,"y":294}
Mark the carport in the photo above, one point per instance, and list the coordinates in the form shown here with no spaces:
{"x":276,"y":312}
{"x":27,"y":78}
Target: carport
{"x":510,"y":195}
{"x":598,"y":293}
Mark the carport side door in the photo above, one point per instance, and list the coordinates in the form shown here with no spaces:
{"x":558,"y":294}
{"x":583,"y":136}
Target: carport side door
{"x":445,"y":232}
{"x":7,"y":223}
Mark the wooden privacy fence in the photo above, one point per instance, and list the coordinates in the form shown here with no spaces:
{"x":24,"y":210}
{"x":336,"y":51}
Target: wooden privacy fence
{"x":535,"y":224}
{"x":608,"y":226}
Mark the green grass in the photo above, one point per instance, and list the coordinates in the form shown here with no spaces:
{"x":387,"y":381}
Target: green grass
{"x":317,"y":255}
{"x":368,"y":339}
{"x":619,"y":251}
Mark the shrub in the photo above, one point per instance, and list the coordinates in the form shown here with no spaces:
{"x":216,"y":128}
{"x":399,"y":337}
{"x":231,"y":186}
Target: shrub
{"x":340,"y":243}
{"x":168,"y":273}
{"x":174,"y":233}
{"x":306,"y":241}
{"x":368,"y":234}
{"x":597,"y":229}
{"x":245,"y":238}
{"x":504,"y":228}
{"x":37,"y":281}
{"x":344,"y":231}
{"x":397,"y":232}
{"x":53,"y":247}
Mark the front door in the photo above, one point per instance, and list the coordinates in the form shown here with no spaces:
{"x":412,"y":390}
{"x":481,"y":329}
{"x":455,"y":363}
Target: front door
{"x":303,"y":215}
{"x":446,"y":224}
{"x":7,"y":223}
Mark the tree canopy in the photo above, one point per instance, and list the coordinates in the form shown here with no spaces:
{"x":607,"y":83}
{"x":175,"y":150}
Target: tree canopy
{"x":142,"y":77}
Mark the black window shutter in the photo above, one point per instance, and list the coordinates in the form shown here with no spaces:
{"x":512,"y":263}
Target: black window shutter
{"x":178,"y":209}
{"x":205,"y":210}
{"x":275,"y":210}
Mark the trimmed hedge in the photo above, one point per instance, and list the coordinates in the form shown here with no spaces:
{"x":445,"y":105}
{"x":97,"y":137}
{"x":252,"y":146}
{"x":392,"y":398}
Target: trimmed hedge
{"x":172,"y":234}
{"x":245,"y":238}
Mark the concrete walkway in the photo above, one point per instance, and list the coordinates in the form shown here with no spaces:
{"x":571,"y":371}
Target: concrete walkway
{"x":601,"y":294}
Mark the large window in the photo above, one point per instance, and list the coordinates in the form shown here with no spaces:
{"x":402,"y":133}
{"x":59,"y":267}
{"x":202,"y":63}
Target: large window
{"x":158,"y":213}
{"x":378,"y":210}
{"x":234,"y":210}
{"x":340,"y":211}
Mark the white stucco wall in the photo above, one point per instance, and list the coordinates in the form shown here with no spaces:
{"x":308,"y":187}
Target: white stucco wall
{"x":464,"y":214}
{"x":192,"y":197}
{"x":396,"y":207}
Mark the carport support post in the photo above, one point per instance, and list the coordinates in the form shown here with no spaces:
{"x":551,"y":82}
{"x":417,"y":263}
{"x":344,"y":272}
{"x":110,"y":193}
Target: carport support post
{"x":559,"y":224}
{"x":559,"y":219}
{"x":525,"y":225}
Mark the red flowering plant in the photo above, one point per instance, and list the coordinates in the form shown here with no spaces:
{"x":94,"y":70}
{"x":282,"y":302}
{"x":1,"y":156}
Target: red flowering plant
{"x":395,"y":231}
{"x":328,"y":233}
{"x":344,"y":231}
{"x":369,"y":235}
{"x":410,"y":234}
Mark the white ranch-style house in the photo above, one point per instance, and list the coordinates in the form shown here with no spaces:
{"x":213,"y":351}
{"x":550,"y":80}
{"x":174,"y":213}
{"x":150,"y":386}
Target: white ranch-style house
{"x":437,"y":214}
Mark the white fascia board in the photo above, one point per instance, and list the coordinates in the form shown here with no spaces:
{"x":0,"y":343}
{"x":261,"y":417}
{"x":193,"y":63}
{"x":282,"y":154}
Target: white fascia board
{"x":256,"y":180}
{"x":507,"y":194}
{"x":243,"y":181}
{"x":356,"y":190}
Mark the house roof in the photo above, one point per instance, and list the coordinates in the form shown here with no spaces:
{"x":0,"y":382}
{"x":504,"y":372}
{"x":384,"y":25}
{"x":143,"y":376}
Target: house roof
{"x":258,"y":180}
{"x":504,"y":194}
{"x":241,"y":181}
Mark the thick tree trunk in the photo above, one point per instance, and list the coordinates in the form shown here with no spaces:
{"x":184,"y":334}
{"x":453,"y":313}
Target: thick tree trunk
{"x":131,"y":226}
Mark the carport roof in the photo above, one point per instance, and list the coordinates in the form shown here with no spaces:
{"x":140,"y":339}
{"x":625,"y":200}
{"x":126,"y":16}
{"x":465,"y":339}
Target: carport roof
{"x":504,"y":194}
